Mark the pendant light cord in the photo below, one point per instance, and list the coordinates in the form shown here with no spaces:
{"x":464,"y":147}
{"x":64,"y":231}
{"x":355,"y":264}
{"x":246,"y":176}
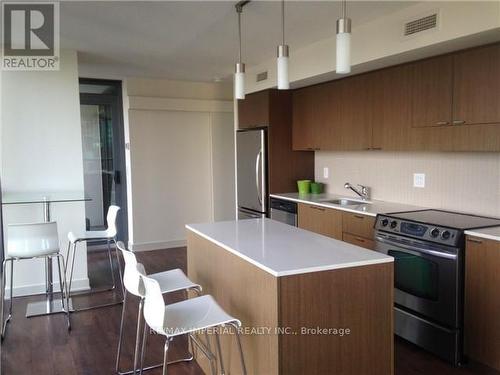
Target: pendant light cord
{"x":344,"y":8}
{"x":283,"y":20}
{"x":239,"y":33}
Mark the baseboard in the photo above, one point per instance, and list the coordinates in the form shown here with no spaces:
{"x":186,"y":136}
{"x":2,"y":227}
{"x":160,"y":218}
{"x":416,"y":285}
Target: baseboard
{"x":34,"y":289}
{"x":159,"y":245}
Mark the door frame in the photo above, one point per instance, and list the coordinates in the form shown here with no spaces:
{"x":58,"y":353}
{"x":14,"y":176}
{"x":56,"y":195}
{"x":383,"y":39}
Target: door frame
{"x":116,"y":102}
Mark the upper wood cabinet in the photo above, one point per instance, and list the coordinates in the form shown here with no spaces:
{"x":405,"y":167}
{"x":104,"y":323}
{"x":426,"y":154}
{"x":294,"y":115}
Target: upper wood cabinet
{"x":431,"y":91}
{"x":445,"y":103}
{"x":353,"y":128}
{"x":273,"y":109}
{"x":310,"y":106}
{"x":333,"y":116}
{"x":390,"y":108}
{"x":476,"y":93}
{"x":253,"y":111}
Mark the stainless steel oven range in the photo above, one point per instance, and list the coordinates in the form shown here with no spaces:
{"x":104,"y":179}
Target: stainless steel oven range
{"x":428,"y":250}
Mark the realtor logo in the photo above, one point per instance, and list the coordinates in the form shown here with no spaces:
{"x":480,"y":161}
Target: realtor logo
{"x":30,"y":36}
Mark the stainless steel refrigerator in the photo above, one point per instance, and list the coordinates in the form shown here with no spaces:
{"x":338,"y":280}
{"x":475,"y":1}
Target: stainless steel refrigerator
{"x":251,"y":154}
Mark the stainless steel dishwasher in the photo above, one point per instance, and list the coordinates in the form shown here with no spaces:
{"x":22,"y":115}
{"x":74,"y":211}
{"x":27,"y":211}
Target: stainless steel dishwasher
{"x":284,"y":211}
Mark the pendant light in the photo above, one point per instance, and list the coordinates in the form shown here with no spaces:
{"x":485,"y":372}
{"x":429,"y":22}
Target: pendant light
{"x":283,"y":53}
{"x":239,"y":74}
{"x":343,"y":42}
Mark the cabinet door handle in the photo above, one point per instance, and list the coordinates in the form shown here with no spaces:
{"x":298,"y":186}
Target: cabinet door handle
{"x":474,"y":240}
{"x":442,"y":123}
{"x":359,"y":217}
{"x":376,"y":148}
{"x":359,"y":239}
{"x":458,"y":122}
{"x":317,"y":208}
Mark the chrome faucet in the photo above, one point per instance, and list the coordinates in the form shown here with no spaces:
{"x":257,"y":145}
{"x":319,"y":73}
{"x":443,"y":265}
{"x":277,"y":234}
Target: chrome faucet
{"x":363,"y":192}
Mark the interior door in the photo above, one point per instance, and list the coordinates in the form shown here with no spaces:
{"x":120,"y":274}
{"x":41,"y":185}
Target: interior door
{"x":103,"y":146}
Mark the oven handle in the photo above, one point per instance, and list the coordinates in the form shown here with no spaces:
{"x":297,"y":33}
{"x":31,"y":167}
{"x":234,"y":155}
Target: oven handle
{"x":418,"y":249}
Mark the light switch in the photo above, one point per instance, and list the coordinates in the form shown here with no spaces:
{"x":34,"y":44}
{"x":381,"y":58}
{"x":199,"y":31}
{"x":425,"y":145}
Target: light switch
{"x":325,"y":172}
{"x":419,"y":180}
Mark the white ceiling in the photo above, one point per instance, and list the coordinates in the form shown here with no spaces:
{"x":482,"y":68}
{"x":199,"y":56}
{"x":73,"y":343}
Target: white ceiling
{"x":196,"y":40}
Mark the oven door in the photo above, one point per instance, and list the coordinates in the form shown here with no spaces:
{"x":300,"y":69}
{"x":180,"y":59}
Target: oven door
{"x":426,"y":277}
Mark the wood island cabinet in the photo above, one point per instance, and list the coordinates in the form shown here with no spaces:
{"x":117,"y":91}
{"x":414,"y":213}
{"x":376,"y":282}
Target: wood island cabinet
{"x":482,"y":301}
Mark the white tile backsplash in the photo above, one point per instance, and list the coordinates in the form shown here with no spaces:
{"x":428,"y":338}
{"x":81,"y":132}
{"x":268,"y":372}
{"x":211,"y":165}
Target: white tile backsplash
{"x":468,"y":182}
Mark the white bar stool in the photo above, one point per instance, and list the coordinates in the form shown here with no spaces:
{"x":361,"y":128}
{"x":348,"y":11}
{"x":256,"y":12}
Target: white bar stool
{"x":29,"y":241}
{"x":169,"y":281}
{"x":89,"y":236}
{"x":186,"y":317}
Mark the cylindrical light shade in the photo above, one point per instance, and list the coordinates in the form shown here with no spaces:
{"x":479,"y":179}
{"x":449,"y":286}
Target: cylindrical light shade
{"x":283,"y":81}
{"x":239,"y":81}
{"x":343,"y":53}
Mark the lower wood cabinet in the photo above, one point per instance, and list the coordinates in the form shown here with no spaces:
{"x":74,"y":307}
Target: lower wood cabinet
{"x":353,"y":228}
{"x":482,"y":301}
{"x":358,"y":224}
{"x":321,"y":220}
{"x":358,"y":229}
{"x":358,"y":241}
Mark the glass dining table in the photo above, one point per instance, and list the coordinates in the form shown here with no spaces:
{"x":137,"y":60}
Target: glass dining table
{"x":51,"y":305}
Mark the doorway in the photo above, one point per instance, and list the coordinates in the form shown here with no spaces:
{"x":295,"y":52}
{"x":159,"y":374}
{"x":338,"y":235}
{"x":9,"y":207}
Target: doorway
{"x":103,"y":146}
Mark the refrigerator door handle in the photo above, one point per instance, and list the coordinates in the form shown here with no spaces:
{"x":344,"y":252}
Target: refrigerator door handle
{"x":257,"y":177}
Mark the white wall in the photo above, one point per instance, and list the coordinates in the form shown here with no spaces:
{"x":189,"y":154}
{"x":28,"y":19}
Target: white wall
{"x":459,"y":181}
{"x":222,"y":166}
{"x":42,"y":152}
{"x":181,"y":158}
{"x":380,"y":42}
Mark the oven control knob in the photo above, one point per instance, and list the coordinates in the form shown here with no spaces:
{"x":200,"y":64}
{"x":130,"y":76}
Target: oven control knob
{"x":445,"y":235}
{"x":435,"y":232}
{"x":394,"y":224}
{"x":384,"y":222}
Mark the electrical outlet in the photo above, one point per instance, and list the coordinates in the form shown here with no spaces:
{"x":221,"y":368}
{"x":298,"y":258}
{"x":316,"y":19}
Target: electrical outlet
{"x":419,"y":180}
{"x":325,"y":172}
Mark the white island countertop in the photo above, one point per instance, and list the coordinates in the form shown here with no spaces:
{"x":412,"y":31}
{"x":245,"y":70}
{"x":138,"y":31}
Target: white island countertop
{"x":283,"y":250}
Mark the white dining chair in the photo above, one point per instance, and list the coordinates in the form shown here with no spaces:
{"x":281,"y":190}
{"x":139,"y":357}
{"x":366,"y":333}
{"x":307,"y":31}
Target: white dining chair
{"x":109,"y":235}
{"x":30,"y":241}
{"x":193,"y":315}
{"x":170,"y":281}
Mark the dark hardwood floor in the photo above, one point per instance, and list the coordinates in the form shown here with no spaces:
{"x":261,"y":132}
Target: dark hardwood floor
{"x":43,"y":345}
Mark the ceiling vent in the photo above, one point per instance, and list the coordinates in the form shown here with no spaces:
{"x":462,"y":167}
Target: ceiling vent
{"x":428,"y":22}
{"x":261,"y":76}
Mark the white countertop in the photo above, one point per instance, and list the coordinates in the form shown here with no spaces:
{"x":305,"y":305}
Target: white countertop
{"x":492,"y":233}
{"x":372,"y":209}
{"x":282,"y":250}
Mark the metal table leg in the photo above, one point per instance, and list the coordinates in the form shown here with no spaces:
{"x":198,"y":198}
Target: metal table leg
{"x":50,"y":305}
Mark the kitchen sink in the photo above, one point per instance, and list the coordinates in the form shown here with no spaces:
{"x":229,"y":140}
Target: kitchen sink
{"x":346,"y":202}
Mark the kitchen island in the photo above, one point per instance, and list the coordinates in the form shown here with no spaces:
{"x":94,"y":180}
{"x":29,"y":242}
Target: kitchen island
{"x":309,"y":304}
